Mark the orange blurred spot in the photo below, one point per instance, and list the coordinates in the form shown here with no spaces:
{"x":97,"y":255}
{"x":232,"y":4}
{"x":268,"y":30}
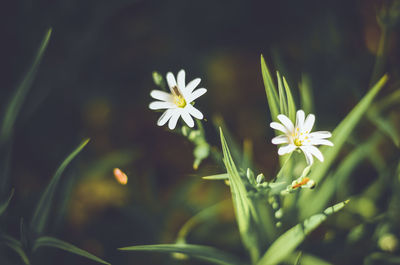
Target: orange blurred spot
{"x":120,"y":176}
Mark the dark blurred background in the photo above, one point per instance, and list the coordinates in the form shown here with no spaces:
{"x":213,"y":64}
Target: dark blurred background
{"x":95,"y":80}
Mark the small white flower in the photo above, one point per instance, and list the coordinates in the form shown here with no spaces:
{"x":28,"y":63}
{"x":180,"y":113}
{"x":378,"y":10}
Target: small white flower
{"x":177,"y":103}
{"x":300,"y":136}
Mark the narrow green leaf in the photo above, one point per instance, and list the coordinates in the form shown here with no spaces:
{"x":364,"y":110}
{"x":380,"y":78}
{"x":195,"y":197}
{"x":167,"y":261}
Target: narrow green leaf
{"x":290,"y":101}
{"x":223,"y":176}
{"x":206,"y":253}
{"x":339,"y":137}
{"x":202,"y":216}
{"x":282,"y":95}
{"x":270,"y":90}
{"x":381,"y":258}
{"x":385,"y":126}
{"x":254,"y":218}
{"x":306,"y":259}
{"x":292,"y":238}
{"x":4,"y":205}
{"x":306,"y":94}
{"x":18,"y":98}
{"x":41,"y":213}
{"x":47,"y":241}
{"x":235,"y":148}
{"x":16,"y":246}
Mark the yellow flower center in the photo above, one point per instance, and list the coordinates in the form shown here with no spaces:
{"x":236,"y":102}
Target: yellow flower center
{"x":298,"y":142}
{"x":179,"y":100}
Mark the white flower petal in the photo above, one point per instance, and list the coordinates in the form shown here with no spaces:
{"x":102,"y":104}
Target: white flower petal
{"x":181,"y":79}
{"x":197,"y":93}
{"x":171,"y":80}
{"x":286,"y":122}
{"x":320,"y":142}
{"x":308,"y":155}
{"x":321,"y":134}
{"x":191,"y":86}
{"x":300,"y":118}
{"x":187,"y":118}
{"x":174,"y":119}
{"x":309,"y":123}
{"x":194,"y":112}
{"x":161,"y":105}
{"x":165,"y":117}
{"x":281,"y":139}
{"x":286,"y":149}
{"x":279,"y":127}
{"x":314,"y":151}
{"x":161,"y":95}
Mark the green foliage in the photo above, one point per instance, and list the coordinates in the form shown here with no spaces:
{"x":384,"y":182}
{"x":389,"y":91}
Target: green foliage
{"x":206,"y":253}
{"x":306,"y":94}
{"x":52,"y":242}
{"x":339,"y":137}
{"x":270,"y":90}
{"x":4,"y":205}
{"x":202,"y":216}
{"x":288,"y":241}
{"x":15,"y":245}
{"x":14,"y":105}
{"x":255,"y":220}
{"x":40,"y":216}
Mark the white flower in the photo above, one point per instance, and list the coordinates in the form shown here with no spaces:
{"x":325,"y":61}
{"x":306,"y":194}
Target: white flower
{"x":300,"y":136}
{"x":177,"y":103}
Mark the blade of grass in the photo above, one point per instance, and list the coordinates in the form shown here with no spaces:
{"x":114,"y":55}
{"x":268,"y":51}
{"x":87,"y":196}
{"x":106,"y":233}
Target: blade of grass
{"x":254,"y":219}
{"x":290,"y":101}
{"x":47,"y":241}
{"x":223,"y":176}
{"x":270,"y":89}
{"x":282,"y":95}
{"x":202,"y":216}
{"x":306,"y":94}
{"x":4,"y":205}
{"x":292,"y":238}
{"x":14,"y":106}
{"x":41,"y":213}
{"x":206,"y":253}
{"x":16,"y":246}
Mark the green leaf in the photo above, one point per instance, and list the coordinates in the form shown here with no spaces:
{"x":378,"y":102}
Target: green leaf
{"x":47,"y":241}
{"x":16,"y":246}
{"x":282,"y":96}
{"x":290,"y":101}
{"x":292,"y":238}
{"x":4,"y":205}
{"x":223,"y":176}
{"x":201,"y":252}
{"x":14,"y":106}
{"x":204,"y":215}
{"x":385,"y":126}
{"x":41,"y":213}
{"x":306,"y":259}
{"x":270,"y":90}
{"x":339,"y":137}
{"x":254,"y":218}
{"x":381,"y":258}
{"x":306,"y":94}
